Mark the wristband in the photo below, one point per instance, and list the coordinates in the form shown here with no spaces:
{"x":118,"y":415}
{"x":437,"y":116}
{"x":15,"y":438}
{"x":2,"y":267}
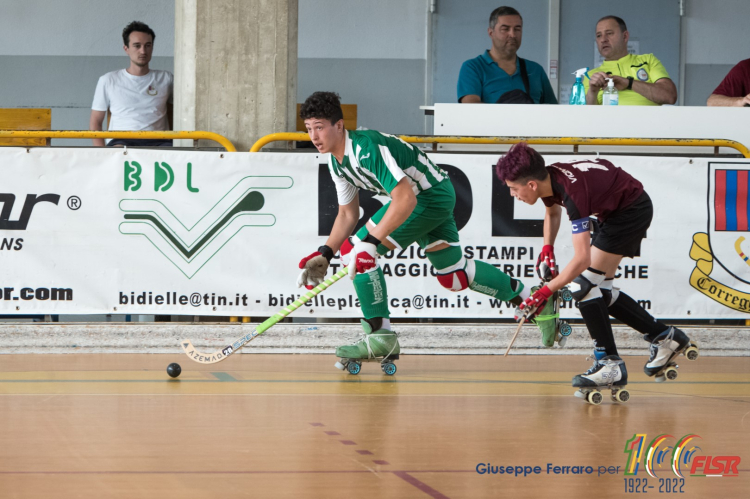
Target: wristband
{"x":630,"y":83}
{"x":326,"y":252}
{"x":371,"y":239}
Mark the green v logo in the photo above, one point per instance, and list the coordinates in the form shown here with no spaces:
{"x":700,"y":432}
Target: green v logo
{"x":190,"y":248}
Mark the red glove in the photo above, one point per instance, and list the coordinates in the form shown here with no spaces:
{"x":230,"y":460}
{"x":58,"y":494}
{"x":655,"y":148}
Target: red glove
{"x":534,"y":303}
{"x":364,"y":255}
{"x":345,"y":251}
{"x":546,"y":267}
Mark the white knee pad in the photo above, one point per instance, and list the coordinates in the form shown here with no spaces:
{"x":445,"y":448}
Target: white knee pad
{"x":586,"y":286}
{"x":609,"y":291}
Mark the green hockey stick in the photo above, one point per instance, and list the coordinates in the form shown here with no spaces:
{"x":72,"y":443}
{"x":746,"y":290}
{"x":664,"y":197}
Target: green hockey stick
{"x":219,"y":355}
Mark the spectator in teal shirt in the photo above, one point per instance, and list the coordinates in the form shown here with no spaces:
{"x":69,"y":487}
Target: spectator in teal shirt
{"x":499,"y":75}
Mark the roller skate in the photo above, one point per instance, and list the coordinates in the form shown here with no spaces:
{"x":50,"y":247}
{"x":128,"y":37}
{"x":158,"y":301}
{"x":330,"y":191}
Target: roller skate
{"x":607,"y":372}
{"x":664,"y":349}
{"x":375,"y":346}
{"x":548,"y":320}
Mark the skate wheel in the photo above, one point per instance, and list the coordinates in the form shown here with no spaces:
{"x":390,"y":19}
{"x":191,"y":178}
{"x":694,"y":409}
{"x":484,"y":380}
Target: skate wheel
{"x":562,"y":341}
{"x":692,"y":352}
{"x":660,"y":379}
{"x":621,"y":396}
{"x":389,"y":369}
{"x":565,"y":329}
{"x":354,"y":367}
{"x":580,"y":395}
{"x":339,"y":365}
{"x":671,"y":373}
{"x":594,"y":398}
{"x":565,"y":294}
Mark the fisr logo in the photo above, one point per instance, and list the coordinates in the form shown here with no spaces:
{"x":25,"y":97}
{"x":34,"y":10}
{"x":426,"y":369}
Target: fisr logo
{"x":8,"y":200}
{"x":683,"y":454}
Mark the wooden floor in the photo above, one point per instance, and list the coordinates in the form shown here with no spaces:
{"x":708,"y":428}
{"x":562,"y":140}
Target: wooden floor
{"x":115,"y":426}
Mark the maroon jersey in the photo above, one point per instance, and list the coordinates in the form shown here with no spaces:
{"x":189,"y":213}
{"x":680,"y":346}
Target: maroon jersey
{"x":591,"y":188}
{"x":737,"y":82}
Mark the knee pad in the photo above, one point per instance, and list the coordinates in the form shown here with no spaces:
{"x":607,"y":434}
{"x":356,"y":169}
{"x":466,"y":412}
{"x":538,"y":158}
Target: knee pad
{"x":609,"y":292}
{"x":460,"y":278}
{"x":586,"y":286}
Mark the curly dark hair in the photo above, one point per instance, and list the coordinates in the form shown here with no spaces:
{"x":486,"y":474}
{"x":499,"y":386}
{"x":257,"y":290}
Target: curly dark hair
{"x":140,"y":28}
{"x":322,"y":105}
{"x":521,"y":163}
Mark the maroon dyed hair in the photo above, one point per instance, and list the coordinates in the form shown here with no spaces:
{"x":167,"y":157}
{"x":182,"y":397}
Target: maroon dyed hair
{"x":521,"y":163}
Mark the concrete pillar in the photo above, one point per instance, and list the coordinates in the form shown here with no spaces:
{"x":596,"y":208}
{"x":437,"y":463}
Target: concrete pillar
{"x":235,"y":68}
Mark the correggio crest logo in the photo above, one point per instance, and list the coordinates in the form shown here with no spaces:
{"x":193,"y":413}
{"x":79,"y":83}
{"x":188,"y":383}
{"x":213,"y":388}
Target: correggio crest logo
{"x":725,"y":242}
{"x":190,"y":246}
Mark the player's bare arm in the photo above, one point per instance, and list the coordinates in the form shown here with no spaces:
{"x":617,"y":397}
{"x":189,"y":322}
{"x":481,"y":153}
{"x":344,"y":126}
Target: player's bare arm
{"x":403,"y":202}
{"x":552,"y":218}
{"x":344,"y":224}
{"x":581,"y":261}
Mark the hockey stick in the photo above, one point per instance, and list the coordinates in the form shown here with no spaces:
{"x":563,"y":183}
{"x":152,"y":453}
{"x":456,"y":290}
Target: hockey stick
{"x":219,"y":355}
{"x":518,"y":330}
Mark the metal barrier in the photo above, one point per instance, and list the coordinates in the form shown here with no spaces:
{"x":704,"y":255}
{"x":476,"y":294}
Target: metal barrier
{"x":570,"y":141}
{"x":88,"y":134}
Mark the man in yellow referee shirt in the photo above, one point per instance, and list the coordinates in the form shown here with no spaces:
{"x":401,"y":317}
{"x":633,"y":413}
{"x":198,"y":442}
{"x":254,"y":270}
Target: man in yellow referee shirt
{"x":641,"y":80}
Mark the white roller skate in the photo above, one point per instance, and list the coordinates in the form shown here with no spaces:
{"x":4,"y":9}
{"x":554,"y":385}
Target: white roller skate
{"x":375,"y":346}
{"x":608,"y":372}
{"x":664,"y":349}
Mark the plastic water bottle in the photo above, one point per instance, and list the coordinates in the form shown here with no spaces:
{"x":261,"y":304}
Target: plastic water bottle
{"x":578,"y":94}
{"x":610,"y":97}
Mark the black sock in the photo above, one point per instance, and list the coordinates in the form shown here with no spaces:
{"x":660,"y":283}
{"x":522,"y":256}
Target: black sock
{"x":594,"y":314}
{"x":627,"y":310}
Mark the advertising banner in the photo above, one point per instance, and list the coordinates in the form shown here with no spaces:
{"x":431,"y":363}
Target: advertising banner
{"x":103,"y":231}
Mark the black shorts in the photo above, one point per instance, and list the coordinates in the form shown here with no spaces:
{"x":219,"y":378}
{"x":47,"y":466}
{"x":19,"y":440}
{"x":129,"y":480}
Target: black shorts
{"x":621,"y":233}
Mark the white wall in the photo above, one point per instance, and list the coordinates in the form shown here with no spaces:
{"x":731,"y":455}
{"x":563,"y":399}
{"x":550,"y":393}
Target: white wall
{"x":717,"y":31}
{"x":372,"y":53}
{"x":362,"y":29}
{"x":715,"y":40}
{"x":81,"y":27}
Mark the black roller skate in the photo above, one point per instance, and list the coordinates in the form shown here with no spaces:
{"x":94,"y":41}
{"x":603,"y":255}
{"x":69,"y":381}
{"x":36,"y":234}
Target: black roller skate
{"x":664,"y":349}
{"x":608,"y":372}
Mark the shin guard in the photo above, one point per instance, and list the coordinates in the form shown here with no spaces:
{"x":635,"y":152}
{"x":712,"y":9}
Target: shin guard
{"x":372,"y":293}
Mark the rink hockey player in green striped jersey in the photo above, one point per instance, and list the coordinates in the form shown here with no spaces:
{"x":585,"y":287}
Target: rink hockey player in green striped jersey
{"x":420,"y":210}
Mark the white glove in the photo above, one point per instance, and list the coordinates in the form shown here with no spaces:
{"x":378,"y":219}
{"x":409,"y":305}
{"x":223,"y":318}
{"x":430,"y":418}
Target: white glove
{"x":314,"y":267}
{"x":364,"y":255}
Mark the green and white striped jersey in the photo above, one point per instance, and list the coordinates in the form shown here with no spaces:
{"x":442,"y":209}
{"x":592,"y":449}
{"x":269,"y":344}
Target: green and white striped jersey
{"x":377,"y":162}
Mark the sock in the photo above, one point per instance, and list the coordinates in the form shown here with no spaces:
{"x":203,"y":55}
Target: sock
{"x":596,"y":318}
{"x":372,"y":293}
{"x":488,"y":280}
{"x":627,"y":310}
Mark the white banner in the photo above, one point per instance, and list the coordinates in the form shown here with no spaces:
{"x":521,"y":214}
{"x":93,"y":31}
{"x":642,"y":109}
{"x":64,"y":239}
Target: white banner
{"x":86,"y":231}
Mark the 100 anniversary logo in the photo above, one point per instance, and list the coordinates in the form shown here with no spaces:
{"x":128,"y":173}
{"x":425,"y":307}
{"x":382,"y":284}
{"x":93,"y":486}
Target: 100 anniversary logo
{"x":683,"y":454}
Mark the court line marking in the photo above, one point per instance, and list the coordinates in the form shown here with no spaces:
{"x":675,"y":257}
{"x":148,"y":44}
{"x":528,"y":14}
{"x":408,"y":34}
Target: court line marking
{"x":224,"y":378}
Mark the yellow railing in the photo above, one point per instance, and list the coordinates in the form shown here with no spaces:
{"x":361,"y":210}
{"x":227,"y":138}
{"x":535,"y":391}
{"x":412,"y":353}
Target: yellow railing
{"x":569,"y":141}
{"x":88,"y":134}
